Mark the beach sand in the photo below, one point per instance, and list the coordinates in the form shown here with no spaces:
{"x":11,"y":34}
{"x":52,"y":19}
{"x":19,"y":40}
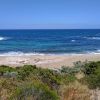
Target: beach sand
{"x":47,"y":61}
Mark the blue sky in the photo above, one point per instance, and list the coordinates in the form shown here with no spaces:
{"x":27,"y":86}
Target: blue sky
{"x":45,"y":14}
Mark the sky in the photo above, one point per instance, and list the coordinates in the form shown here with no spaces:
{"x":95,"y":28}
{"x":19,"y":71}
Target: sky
{"x":49,"y":14}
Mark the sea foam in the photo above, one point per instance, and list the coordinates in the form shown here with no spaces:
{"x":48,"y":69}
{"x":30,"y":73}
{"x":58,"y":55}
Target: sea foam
{"x":73,"y":40}
{"x":3,"y":38}
{"x":19,"y":53}
{"x":93,"y":38}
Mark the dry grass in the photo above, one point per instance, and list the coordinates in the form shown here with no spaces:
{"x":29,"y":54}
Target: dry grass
{"x":75,"y":91}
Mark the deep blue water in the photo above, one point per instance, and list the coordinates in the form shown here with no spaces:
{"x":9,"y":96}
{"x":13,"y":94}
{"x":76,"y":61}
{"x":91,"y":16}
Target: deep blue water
{"x":50,"y":41}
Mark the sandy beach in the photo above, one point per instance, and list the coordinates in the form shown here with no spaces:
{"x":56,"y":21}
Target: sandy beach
{"x":47,"y":61}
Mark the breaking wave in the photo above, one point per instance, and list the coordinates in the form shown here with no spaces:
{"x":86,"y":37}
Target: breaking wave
{"x":3,"y":38}
{"x":93,"y":38}
{"x":12,"y":53}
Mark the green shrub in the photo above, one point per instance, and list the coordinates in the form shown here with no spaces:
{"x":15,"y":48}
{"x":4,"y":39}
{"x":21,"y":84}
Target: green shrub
{"x":50,"y":77}
{"x":89,"y":68}
{"x":25,"y":71}
{"x":68,"y":70}
{"x":67,"y":79}
{"x":4,"y":69}
{"x":34,"y":91}
{"x":92,"y":74}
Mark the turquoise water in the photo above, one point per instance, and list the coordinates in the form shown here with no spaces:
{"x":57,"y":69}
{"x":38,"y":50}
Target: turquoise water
{"x":49,"y":41}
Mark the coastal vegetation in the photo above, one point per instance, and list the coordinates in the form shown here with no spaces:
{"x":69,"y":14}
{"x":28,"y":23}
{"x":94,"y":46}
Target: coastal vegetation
{"x":29,"y":82}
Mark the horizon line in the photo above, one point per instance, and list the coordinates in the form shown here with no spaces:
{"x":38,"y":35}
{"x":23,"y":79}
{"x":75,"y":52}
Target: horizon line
{"x":52,"y":29}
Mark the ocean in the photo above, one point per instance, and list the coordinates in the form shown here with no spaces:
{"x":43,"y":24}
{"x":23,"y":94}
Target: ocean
{"x":49,"y":41}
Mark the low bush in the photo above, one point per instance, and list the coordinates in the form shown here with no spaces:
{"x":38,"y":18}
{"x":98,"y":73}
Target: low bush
{"x":92,"y":74}
{"x":29,"y":82}
{"x":34,"y":91}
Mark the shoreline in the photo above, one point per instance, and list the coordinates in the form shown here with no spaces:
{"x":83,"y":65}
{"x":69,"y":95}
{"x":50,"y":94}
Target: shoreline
{"x":20,"y":53}
{"x":47,"y":61}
